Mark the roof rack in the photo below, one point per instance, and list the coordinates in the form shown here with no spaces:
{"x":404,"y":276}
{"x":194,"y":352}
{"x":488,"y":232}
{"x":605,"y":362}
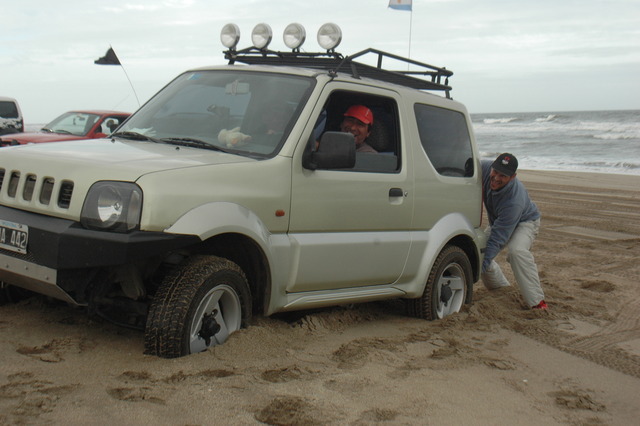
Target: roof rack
{"x":431,"y":77}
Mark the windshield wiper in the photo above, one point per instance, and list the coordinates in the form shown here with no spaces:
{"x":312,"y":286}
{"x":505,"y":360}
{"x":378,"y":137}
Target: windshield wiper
{"x":192,"y":142}
{"x":197,"y":143}
{"x":135,"y":136}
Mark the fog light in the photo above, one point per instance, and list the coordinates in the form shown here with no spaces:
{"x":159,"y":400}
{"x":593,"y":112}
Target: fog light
{"x":294,"y":36}
{"x":329,"y":36}
{"x":230,"y":36}
{"x":261,"y":36}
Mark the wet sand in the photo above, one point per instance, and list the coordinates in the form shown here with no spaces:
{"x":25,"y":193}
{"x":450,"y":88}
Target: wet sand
{"x":495,"y":363}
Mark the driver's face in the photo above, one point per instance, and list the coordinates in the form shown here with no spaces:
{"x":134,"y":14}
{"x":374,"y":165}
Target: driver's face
{"x":357,"y":128}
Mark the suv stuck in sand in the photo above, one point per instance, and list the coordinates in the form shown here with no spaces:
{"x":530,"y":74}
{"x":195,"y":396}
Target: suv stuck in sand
{"x":230,"y":193}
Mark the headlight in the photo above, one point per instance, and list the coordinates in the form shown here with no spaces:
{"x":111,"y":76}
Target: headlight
{"x":112,"y":206}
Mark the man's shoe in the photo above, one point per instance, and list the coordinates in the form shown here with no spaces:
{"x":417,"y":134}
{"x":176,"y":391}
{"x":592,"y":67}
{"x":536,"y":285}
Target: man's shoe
{"x":541,"y":305}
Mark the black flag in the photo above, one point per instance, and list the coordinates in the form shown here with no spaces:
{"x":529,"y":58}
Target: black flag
{"x":109,"y":59}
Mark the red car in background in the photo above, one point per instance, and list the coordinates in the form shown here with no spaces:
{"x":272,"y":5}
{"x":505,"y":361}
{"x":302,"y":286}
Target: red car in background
{"x":72,"y":125}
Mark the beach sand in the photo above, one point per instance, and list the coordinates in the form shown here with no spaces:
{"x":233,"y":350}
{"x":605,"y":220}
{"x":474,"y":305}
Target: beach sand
{"x":495,"y":363}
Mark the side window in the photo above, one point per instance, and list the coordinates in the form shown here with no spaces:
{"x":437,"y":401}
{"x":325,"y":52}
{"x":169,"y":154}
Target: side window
{"x":445,"y":138}
{"x":380,"y":150}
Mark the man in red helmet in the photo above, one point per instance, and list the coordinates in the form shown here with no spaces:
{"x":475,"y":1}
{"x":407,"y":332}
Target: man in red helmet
{"x":358,"y":121}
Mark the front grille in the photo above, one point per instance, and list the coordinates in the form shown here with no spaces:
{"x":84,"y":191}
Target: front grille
{"x":47,"y":190}
{"x":64,"y":198}
{"x":14,"y":180}
{"x":30,"y":187}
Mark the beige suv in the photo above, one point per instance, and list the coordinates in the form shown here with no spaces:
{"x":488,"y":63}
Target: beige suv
{"x":233,"y":193}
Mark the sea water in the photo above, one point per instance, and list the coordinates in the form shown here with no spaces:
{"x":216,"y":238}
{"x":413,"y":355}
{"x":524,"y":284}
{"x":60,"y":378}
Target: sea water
{"x":585,"y":141}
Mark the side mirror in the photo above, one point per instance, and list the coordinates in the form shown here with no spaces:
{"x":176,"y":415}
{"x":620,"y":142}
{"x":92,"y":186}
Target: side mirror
{"x":337,"y":150}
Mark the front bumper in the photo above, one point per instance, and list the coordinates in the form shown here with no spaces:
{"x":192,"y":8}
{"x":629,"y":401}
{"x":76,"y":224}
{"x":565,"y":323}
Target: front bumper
{"x":56,"y":245}
{"x":64,"y":244}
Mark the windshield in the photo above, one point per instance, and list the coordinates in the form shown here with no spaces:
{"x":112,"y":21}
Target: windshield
{"x":247,"y":113}
{"x":72,"y":123}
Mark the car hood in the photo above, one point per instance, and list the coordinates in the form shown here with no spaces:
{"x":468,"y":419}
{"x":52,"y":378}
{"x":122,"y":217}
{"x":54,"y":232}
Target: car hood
{"x":112,"y":158}
{"x":75,"y":166}
{"x":38,"y":137}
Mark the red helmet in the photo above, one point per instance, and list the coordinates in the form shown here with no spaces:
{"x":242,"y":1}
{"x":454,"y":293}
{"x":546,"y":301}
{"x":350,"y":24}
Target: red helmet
{"x":361,"y":113}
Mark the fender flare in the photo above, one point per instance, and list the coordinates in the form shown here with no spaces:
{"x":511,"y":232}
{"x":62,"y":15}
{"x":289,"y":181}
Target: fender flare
{"x":448,"y":228}
{"x":216,"y":218}
{"x":208,"y":220}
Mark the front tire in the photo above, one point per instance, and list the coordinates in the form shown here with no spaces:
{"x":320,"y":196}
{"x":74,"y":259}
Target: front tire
{"x":449,"y":286}
{"x":197,"y":306}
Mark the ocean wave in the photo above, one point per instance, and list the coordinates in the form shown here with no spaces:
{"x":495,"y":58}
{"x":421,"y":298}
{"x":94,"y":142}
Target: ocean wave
{"x":615,"y":136}
{"x":549,"y":117}
{"x":616,"y":165}
{"x":499,"y":120}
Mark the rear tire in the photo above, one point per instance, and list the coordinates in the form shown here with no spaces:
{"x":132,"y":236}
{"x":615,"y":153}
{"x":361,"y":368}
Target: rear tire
{"x":197,"y":306}
{"x":449,"y":286}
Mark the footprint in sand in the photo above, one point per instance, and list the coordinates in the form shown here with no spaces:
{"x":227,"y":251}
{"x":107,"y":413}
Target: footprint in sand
{"x":25,"y":397}
{"x":577,"y":400}
{"x":54,"y":350}
{"x":292,"y":410}
{"x":135,"y":394}
{"x":282,"y":375}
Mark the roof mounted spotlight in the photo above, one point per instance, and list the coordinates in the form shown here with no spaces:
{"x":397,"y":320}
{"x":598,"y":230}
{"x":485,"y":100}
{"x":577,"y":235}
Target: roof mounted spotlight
{"x":261,"y":36}
{"x":230,"y":36}
{"x":329,"y":36}
{"x":294,"y":36}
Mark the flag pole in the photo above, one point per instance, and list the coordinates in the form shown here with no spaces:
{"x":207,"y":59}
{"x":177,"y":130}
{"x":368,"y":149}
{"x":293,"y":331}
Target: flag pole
{"x":131,"y":84}
{"x":410,"y":28}
{"x":110,"y":58}
{"x":405,"y":5}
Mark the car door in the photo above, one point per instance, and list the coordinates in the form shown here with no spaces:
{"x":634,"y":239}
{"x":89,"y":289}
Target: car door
{"x":350,"y":228}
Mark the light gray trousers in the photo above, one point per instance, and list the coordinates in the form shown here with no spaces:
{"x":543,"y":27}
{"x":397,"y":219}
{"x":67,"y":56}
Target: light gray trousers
{"x":522,"y":264}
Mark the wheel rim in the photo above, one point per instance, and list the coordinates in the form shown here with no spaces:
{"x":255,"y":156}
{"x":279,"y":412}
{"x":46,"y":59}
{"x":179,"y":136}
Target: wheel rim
{"x":451,"y":290}
{"x":222,"y":304}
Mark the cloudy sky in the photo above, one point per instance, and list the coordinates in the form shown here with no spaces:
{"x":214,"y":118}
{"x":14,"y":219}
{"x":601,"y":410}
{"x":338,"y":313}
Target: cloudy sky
{"x":506,"y":55}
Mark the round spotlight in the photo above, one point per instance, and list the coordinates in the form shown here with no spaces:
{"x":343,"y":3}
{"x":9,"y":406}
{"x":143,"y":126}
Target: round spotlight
{"x":329,"y":36}
{"x":294,"y":36}
{"x":230,"y":36}
{"x":261,"y":36}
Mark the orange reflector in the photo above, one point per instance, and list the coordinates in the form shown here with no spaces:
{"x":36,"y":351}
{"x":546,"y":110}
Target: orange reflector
{"x":279,"y":213}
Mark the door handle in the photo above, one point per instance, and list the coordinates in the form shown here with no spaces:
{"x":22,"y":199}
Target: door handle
{"x":396,"y":192}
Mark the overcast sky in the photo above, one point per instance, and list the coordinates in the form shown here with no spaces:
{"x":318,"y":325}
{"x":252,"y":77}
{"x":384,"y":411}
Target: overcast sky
{"x":506,"y":55}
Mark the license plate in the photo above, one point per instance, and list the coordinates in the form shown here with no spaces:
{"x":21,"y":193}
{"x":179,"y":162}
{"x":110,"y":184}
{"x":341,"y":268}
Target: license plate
{"x":14,"y":236}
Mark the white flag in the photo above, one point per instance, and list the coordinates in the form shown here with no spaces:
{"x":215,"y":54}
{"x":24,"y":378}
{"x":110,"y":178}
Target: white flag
{"x":400,"y":4}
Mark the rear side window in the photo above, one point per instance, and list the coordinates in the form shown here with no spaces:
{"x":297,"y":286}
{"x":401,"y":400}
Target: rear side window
{"x":8,"y":109}
{"x":445,"y":138}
